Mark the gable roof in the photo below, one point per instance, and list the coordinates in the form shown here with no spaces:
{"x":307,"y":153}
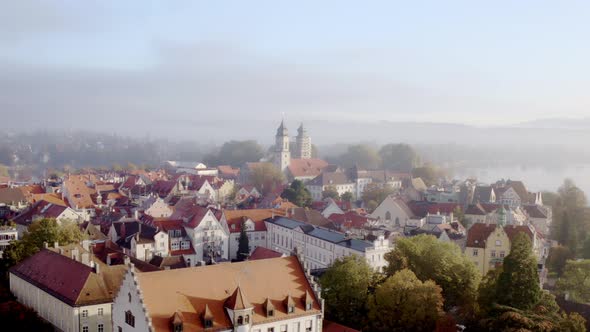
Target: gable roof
{"x":234,"y":218}
{"x":165,"y":292}
{"x":237,"y":301}
{"x":329,"y":179}
{"x":11,"y":196}
{"x":68,"y":280}
{"x":534,"y":211}
{"x":482,"y":194}
{"x":306,"y":167}
{"x":478,"y":234}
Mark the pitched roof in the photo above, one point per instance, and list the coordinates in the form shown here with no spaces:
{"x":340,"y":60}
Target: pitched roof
{"x":306,"y":167}
{"x":512,"y":230}
{"x":423,"y":208}
{"x":68,"y":280}
{"x":11,"y":196}
{"x":263,"y":253}
{"x":235,"y":217}
{"x":79,"y":193}
{"x":329,"y":326}
{"x":534,"y":211}
{"x":49,"y":197}
{"x":329,"y":178}
{"x":165,"y":292}
{"x":475,"y":209}
{"x":311,"y":217}
{"x":478,"y":234}
{"x":482,"y":194}
{"x":237,"y":301}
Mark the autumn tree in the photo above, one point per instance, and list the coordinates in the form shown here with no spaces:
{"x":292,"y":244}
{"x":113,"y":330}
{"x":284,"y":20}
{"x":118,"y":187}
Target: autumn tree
{"x":374,"y":194}
{"x":345,"y":288}
{"x":518,"y":283}
{"x":266,"y":177}
{"x":404,"y":303}
{"x":429,"y":174}
{"x":297,"y":194}
{"x":442,"y":262}
{"x":557,"y":258}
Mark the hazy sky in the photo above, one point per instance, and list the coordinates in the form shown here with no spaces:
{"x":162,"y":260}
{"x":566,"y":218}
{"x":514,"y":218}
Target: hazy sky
{"x":177,"y":67}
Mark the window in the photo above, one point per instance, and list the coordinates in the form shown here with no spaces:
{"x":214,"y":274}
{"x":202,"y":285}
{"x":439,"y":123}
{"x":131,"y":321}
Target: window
{"x":291,"y":309}
{"x":498,"y":243}
{"x":129,"y":295}
{"x":208,"y":323}
{"x":178,"y":327}
{"x":502,"y":254}
{"x":119,"y":329}
{"x":247,"y":319}
{"x":493,"y":253}
{"x":271,"y":329}
{"x":129,"y":318}
{"x":283,"y":328}
{"x":475,"y":252}
{"x":100,"y":328}
{"x":240,"y":320}
{"x":84,"y":328}
{"x":271,"y":313}
{"x":100,"y":311}
{"x":308,"y":326}
{"x":84,"y":313}
{"x":175,"y":245}
{"x":387,"y":215}
{"x":308,"y":306}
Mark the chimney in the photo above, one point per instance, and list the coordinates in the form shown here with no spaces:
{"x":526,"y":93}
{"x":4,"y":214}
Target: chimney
{"x":86,"y":245}
{"x":126,"y":260}
{"x":75,"y":254}
{"x":86,"y":258}
{"x":56,"y":244}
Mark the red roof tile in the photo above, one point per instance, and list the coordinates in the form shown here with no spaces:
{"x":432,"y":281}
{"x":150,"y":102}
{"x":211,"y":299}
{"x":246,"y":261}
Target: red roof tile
{"x":263,"y":253}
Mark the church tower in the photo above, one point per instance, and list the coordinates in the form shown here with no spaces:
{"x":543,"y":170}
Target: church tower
{"x":303,"y":143}
{"x":282,"y":157}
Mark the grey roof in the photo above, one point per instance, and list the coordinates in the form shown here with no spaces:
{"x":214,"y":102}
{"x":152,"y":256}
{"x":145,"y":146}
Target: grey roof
{"x":327,"y":235}
{"x":288,"y":223}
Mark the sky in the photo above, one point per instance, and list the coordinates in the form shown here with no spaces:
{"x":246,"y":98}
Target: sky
{"x":213,"y":69}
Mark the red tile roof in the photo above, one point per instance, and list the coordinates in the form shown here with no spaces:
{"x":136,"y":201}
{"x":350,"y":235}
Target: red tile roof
{"x":263,"y":253}
{"x":478,"y":234}
{"x":306,"y":167}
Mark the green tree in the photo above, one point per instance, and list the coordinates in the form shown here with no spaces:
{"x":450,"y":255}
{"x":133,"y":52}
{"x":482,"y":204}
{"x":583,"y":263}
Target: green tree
{"x":575,"y":281}
{"x":518,"y":283}
{"x":39,"y":232}
{"x":236,"y":153}
{"x":266,"y":177}
{"x":557,"y":258}
{"x":297,"y":194}
{"x":571,"y":217}
{"x":347,"y":196}
{"x":404,"y":303}
{"x":399,"y":157}
{"x":361,"y":155}
{"x":487,"y":293}
{"x":442,"y":262}
{"x":330,"y":192}
{"x":243,"y":243}
{"x":345,"y":288}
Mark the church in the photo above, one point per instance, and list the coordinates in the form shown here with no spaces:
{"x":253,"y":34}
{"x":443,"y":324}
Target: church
{"x":301,"y":166}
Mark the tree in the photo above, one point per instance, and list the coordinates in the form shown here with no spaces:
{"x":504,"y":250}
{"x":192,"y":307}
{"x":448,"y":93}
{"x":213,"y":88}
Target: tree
{"x":518,"y":283}
{"x":429,"y":174}
{"x":266,"y":177}
{"x":236,"y":153}
{"x":376,"y":193}
{"x":399,"y":157}
{"x":347,"y":196}
{"x":404,"y":303}
{"x":442,"y":262}
{"x":297,"y":194}
{"x":345,"y":288}
{"x":575,"y":281}
{"x":243,"y":243}
{"x":361,"y":155}
{"x":39,"y":232}
{"x":330,"y":192}
{"x":586,"y":248}
{"x":557,"y":258}
{"x":571,"y":218}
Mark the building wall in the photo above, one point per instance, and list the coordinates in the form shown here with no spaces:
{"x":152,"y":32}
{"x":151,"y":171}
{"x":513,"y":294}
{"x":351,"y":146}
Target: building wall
{"x":390,"y":208}
{"x":159,"y":209}
{"x":298,"y":324}
{"x":255,"y":239}
{"x":121,"y":304}
{"x":497,"y":247}
{"x":61,"y":315}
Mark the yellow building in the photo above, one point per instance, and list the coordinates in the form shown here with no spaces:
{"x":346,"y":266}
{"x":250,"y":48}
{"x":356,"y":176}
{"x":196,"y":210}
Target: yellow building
{"x":488,"y":244}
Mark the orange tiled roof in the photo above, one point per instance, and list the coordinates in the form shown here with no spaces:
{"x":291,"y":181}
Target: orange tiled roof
{"x":307,"y":167}
{"x":166,"y":292}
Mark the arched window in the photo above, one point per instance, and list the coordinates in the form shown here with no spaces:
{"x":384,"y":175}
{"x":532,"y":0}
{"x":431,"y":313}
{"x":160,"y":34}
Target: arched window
{"x":388,"y":216}
{"x":240,"y":320}
{"x":188,"y":262}
{"x":247,"y":320}
{"x":396,"y":221}
{"x":129,"y":296}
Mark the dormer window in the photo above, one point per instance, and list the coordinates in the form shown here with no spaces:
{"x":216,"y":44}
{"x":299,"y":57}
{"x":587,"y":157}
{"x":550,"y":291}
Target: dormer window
{"x":308,"y":306}
{"x":208,"y":323}
{"x":291,"y":309}
{"x":240,"y":320}
{"x":178,"y":327}
{"x":270,"y":313}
